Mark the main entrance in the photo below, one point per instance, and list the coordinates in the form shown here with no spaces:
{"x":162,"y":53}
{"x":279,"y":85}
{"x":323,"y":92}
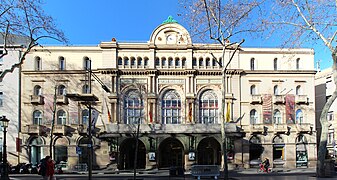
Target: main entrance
{"x":209,"y":152}
{"x":127,"y":154}
{"x":171,"y":153}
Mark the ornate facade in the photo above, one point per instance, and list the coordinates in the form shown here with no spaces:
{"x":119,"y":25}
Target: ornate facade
{"x":176,"y":91}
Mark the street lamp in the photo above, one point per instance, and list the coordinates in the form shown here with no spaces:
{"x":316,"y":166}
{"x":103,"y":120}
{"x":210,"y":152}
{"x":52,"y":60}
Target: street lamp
{"x":4,"y":123}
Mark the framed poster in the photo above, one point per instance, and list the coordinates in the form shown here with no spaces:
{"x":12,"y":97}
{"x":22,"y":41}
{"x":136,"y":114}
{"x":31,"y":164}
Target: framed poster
{"x":191,"y":156}
{"x":152,"y":156}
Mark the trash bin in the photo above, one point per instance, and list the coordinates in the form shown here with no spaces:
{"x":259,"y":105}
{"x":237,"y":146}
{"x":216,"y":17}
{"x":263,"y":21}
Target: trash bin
{"x":173,"y":171}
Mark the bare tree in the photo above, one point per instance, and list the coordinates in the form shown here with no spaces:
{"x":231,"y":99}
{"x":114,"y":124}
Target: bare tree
{"x":222,"y":23}
{"x":297,"y":22}
{"x":25,"y":19}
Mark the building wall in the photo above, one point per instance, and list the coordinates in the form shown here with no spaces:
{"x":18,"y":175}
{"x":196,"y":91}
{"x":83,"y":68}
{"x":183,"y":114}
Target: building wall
{"x":112,"y":63}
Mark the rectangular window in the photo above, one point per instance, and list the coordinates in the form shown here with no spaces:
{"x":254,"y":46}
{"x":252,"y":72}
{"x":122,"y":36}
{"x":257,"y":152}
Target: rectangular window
{"x":330,"y":116}
{"x":331,"y":137}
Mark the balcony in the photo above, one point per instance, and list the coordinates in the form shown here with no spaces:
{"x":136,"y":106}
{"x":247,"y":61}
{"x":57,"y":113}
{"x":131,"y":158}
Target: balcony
{"x":35,"y":129}
{"x":279,"y":99}
{"x":304,"y":128}
{"x":302,"y":99}
{"x":61,"y":99}
{"x":36,"y":99}
{"x":256,"y":99}
{"x":61,"y":129}
{"x":280,"y":128}
{"x":254,"y":128}
{"x":82,"y":129}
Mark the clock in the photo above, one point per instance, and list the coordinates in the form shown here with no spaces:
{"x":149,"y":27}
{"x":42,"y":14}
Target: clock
{"x":171,"y":39}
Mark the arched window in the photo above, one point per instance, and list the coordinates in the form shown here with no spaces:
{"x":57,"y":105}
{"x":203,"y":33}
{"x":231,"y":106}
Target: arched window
{"x":171,"y":108}
{"x":254,"y":117}
{"x":214,"y":62}
{"x":275,"y":90}
{"x":139,"y":61}
{"x":37,"y":117}
{"x":126,"y":61}
{"x":252,"y":64}
{"x":146,"y":61}
{"x":208,"y":62}
{"x":120,"y":61}
{"x":61,"y":90}
{"x":194,"y":61}
{"x":201,"y":61}
{"x":85,"y":89}
{"x":208,"y":108}
{"x":170,"y":61}
{"x":61,"y":117}
{"x":37,"y":90}
{"x":298,"y":90}
{"x":85,"y":117}
{"x":38,"y":63}
{"x":253,"y":90}
{"x":133,"y":108}
{"x":275,"y":64}
{"x":278,"y":149}
{"x":297,"y":63}
{"x":86,"y":63}
{"x":133,"y":61}
{"x":157,"y":61}
{"x":183,"y":62}
{"x":301,"y":151}
{"x":277,"y":117}
{"x":163,"y":62}
{"x":177,"y":62}
{"x":299,"y":116}
{"x":62,"y":64}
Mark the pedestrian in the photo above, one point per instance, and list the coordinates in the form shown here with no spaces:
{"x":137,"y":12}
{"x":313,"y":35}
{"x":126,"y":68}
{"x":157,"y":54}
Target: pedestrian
{"x":49,"y":169}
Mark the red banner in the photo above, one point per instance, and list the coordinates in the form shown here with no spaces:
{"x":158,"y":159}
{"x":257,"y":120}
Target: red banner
{"x":267,"y":108}
{"x":290,"y":108}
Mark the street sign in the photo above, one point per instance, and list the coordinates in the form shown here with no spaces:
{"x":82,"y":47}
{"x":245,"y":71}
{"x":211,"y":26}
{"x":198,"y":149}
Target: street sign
{"x":78,"y":150}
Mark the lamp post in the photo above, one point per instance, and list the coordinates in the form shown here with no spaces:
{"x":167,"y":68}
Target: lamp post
{"x":89,"y":99}
{"x":4,"y":123}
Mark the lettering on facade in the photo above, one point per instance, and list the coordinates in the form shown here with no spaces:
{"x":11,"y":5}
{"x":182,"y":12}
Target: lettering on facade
{"x":171,"y":81}
{"x":133,"y":81}
{"x":209,"y":81}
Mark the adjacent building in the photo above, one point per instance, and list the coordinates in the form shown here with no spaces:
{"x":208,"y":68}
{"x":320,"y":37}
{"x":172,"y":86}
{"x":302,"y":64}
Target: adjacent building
{"x":176,"y":94}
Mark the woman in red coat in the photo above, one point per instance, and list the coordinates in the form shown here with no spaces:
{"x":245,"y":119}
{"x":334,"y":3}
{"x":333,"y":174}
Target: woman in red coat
{"x":49,"y":169}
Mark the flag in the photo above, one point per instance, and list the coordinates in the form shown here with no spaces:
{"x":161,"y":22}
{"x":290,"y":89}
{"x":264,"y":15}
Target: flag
{"x":107,"y":107}
{"x":228,"y":113}
{"x":150,"y":114}
{"x":190,"y":112}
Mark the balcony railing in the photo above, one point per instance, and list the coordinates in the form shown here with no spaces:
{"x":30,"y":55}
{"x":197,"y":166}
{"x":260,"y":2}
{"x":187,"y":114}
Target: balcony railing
{"x":61,"y":99}
{"x":304,"y":127}
{"x":35,"y":129}
{"x":279,"y":99}
{"x":302,"y":99}
{"x":36,"y":99}
{"x":82,"y":129}
{"x":256,"y":99}
{"x":60,"y":129}
{"x":280,"y":128}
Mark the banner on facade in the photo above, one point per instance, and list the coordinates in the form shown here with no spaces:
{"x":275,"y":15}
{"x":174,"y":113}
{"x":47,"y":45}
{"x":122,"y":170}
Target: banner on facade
{"x":290,"y":108}
{"x":228,"y":113}
{"x":267,"y":108}
{"x":190,"y":113}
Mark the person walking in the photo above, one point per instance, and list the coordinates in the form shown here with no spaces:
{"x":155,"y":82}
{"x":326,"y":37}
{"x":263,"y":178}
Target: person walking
{"x":49,"y":169}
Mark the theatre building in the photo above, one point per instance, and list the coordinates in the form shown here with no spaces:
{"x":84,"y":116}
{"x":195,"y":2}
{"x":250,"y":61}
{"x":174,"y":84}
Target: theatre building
{"x":174,"y":93}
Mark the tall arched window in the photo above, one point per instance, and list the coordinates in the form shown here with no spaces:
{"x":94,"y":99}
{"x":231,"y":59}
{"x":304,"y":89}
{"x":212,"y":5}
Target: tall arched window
{"x":275,"y":64}
{"x":254,"y":117}
{"x":126,"y":61}
{"x":170,"y":59}
{"x":157,"y":61}
{"x":253,"y":90}
{"x":201,"y":61}
{"x":61,"y":90}
{"x":252,"y":64}
{"x":194,"y":61}
{"x":86,"y":63}
{"x":37,"y":117}
{"x":62,"y":64}
{"x":85,"y":89}
{"x":61,"y":117}
{"x":298,"y":90}
{"x":163,"y":62}
{"x":171,"y":108}
{"x":133,"y":61}
{"x":146,"y":61}
{"x":37,"y":90}
{"x":208,"y":108}
{"x":177,"y":62}
{"x":139,"y":61}
{"x":277,"y":117}
{"x":276,"y":90}
{"x":120,"y":61}
{"x":133,"y":108}
{"x":183,"y":62}
{"x":208,"y":62}
{"x":38,"y":63}
{"x":85,"y":117}
{"x":299,"y":116}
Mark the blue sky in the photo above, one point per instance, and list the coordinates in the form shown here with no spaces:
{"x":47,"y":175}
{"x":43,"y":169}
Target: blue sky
{"x":88,"y":22}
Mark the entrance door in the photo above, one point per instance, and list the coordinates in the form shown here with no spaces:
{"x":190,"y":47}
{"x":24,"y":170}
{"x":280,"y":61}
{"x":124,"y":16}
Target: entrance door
{"x":127,"y":154}
{"x":84,"y":156}
{"x":209,"y":152}
{"x":171,"y":153}
{"x":35,"y":147}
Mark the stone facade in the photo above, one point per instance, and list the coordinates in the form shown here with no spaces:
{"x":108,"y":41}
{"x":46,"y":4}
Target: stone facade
{"x":178,"y":92}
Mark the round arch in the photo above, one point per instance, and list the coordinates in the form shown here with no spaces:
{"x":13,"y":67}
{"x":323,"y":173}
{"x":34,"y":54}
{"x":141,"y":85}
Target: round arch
{"x":171,"y":153}
{"x":61,"y":149}
{"x":35,"y":148}
{"x":209,"y":152}
{"x":127,"y":154}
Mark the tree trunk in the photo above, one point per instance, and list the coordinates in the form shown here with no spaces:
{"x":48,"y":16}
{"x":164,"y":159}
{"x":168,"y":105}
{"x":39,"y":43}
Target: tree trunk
{"x":322,"y":149}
